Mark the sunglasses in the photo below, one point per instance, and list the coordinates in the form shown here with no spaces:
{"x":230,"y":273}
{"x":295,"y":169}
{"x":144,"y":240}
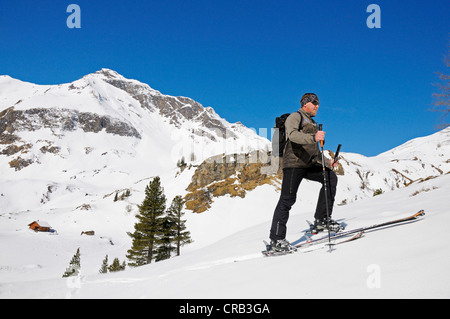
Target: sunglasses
{"x":315,"y":102}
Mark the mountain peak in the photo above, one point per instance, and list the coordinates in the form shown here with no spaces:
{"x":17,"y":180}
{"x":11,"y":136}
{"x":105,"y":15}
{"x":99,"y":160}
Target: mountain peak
{"x":108,"y":73}
{"x":105,"y":102}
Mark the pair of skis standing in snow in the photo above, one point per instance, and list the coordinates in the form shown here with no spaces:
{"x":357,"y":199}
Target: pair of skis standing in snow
{"x":297,"y":143}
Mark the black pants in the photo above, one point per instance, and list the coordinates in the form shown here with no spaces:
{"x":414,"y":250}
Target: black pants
{"x":292,"y":178}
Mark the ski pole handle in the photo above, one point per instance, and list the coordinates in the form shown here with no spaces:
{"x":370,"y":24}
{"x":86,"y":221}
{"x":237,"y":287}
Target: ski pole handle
{"x":336,"y":155}
{"x":321,"y":142}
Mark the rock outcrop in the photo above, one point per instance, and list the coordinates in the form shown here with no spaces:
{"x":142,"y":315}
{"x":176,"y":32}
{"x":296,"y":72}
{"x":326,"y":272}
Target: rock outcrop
{"x":232,"y":175}
{"x":12,"y":120}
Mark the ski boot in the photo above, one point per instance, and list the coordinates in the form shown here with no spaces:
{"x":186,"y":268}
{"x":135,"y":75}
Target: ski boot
{"x":325,"y":224}
{"x":282,"y":246}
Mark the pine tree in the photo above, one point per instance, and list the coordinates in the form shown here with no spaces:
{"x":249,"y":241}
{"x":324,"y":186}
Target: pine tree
{"x":148,"y":230}
{"x":181,"y":236}
{"x":104,"y":267}
{"x":74,"y":265}
{"x":116,"y":266}
{"x":166,"y":247}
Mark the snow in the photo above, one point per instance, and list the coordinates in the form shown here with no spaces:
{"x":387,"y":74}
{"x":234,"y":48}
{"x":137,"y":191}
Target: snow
{"x":217,"y":274}
{"x":411,"y":259}
{"x":74,"y":190}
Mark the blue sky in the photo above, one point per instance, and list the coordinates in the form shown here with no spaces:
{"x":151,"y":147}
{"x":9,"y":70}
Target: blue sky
{"x":250,"y":60}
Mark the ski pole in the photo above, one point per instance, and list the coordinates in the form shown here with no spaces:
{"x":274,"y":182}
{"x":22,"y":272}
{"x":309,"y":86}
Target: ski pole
{"x":325,"y":189}
{"x":336,"y":155}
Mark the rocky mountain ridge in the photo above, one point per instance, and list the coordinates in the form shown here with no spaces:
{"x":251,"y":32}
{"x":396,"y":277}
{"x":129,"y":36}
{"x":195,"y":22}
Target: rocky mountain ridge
{"x":104,"y":129}
{"x":107,"y":102}
{"x":100,"y":134}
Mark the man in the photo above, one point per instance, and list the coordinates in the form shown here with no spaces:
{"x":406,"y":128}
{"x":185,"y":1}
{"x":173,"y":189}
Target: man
{"x":302,"y":159}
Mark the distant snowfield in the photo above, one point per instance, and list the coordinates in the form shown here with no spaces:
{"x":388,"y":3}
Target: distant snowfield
{"x":407,"y":261}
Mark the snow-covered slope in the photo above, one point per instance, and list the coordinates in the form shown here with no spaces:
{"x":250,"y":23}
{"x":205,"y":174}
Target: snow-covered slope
{"x":101,"y":134}
{"x":412,"y":162}
{"x":408,"y":261}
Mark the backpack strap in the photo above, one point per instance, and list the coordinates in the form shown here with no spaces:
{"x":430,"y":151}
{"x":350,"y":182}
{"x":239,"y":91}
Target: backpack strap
{"x":301,"y":120}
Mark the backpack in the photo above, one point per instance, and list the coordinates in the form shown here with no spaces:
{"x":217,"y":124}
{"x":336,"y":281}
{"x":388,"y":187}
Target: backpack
{"x":279,"y":139}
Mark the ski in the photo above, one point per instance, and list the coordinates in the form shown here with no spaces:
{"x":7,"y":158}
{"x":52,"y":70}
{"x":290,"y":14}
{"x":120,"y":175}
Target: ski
{"x":354,"y":237}
{"x":270,"y":253}
{"x":320,"y":245}
{"x":340,"y":237}
{"x":363,"y":229}
{"x":312,"y":245}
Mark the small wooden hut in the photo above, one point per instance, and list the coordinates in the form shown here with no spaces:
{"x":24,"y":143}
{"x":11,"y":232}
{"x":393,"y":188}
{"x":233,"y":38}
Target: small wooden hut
{"x":40,"y":225}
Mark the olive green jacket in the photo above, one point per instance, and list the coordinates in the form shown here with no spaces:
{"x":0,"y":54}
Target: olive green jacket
{"x":302,"y":150}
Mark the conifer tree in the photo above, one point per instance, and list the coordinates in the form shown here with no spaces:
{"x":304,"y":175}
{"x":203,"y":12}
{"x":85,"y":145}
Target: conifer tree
{"x":104,"y":267}
{"x":166,"y":247}
{"x":74,"y":265}
{"x":148,"y":230}
{"x":181,"y":236}
{"x":116,"y":266}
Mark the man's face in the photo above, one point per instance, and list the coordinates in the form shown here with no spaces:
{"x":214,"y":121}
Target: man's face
{"x":311,"y":107}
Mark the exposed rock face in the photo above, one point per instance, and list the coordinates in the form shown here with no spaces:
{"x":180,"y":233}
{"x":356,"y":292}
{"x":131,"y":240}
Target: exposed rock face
{"x":177,"y":109}
{"x":57,"y":120}
{"x":67,"y":120}
{"x":233,"y":175}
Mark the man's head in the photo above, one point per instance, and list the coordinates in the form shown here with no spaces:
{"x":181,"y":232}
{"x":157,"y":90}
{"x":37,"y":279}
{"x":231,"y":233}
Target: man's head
{"x":310,"y":103}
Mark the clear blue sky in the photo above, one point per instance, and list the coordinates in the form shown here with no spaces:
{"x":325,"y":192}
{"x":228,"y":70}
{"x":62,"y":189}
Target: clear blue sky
{"x":251,"y":60}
